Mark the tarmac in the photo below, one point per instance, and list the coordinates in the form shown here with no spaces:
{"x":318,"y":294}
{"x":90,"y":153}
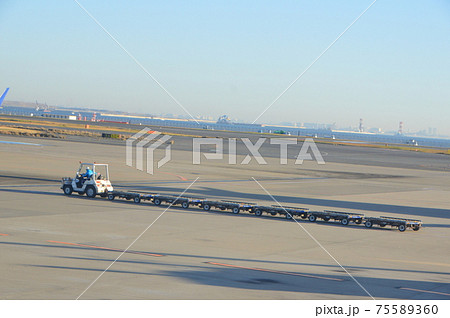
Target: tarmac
{"x":54,"y":246}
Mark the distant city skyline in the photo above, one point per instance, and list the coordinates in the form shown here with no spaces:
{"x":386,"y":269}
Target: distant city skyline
{"x":235,"y":58}
{"x":429,"y":132}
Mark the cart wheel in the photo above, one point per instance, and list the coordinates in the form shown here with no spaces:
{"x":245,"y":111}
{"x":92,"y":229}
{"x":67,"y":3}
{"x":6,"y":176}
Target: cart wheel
{"x":258,"y":212}
{"x":157,"y":201}
{"x":288,"y":216}
{"x":416,"y":228}
{"x":304,"y":216}
{"x":326,"y":219}
{"x":401,"y":228}
{"x":312,"y":218}
{"x":368,"y":224}
{"x":344,"y":222}
{"x":67,"y":189}
{"x":90,"y":192}
{"x":206,"y":207}
{"x":137,"y":199}
{"x":185,"y":204}
{"x":111,"y":196}
{"x":358,"y":221}
{"x":235,"y":210}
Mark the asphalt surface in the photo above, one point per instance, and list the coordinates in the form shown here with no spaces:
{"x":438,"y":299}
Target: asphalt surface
{"x":332,"y":153}
{"x":54,"y":246}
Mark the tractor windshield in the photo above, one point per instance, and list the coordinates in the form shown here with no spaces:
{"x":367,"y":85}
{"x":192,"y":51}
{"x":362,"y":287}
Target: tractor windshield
{"x":101,"y":172}
{"x":84,"y":167}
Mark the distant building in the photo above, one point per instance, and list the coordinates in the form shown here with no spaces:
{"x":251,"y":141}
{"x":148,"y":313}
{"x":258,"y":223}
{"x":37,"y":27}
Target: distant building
{"x":50,"y":115}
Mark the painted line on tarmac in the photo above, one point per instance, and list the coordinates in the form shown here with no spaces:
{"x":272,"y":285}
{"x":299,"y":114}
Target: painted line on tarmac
{"x":415,"y":262}
{"x":176,"y":175}
{"x":28,"y":185}
{"x":425,"y":291}
{"x":107,"y":248}
{"x":276,"y":272}
{"x":218,"y":181}
{"x":1,"y":234}
{"x":18,"y":143}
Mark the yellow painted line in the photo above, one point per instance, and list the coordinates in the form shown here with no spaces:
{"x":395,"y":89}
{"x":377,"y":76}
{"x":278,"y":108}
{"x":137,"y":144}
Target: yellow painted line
{"x":106,"y":248}
{"x":176,"y":175}
{"x":425,"y":291}
{"x":413,"y":262}
{"x":275,"y":271}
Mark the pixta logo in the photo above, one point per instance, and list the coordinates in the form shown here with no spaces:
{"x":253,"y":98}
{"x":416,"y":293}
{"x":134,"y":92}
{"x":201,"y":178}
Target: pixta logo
{"x":147,"y":139}
{"x":253,"y":149}
{"x":151,"y":140}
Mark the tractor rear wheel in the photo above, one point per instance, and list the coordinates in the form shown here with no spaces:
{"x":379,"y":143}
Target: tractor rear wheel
{"x":90,"y":192}
{"x":67,"y":189}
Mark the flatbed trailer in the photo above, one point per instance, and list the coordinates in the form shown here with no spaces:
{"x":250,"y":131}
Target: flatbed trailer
{"x":101,"y":185}
{"x":185,"y":202}
{"x":135,"y":196}
{"x":234,"y":206}
{"x":401,"y":224}
{"x":344,"y":217}
{"x":287,"y":211}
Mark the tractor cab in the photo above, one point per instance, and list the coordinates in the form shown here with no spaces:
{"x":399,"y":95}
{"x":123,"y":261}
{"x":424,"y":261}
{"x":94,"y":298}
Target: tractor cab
{"x":90,"y":179}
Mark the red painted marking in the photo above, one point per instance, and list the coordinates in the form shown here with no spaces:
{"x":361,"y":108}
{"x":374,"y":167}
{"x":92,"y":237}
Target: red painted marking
{"x":1,"y":234}
{"x":176,"y":175}
{"x":275,"y":271}
{"x":106,"y":248}
{"x":425,"y":291}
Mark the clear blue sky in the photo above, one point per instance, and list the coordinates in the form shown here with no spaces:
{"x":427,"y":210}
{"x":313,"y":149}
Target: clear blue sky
{"x":235,"y":57}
